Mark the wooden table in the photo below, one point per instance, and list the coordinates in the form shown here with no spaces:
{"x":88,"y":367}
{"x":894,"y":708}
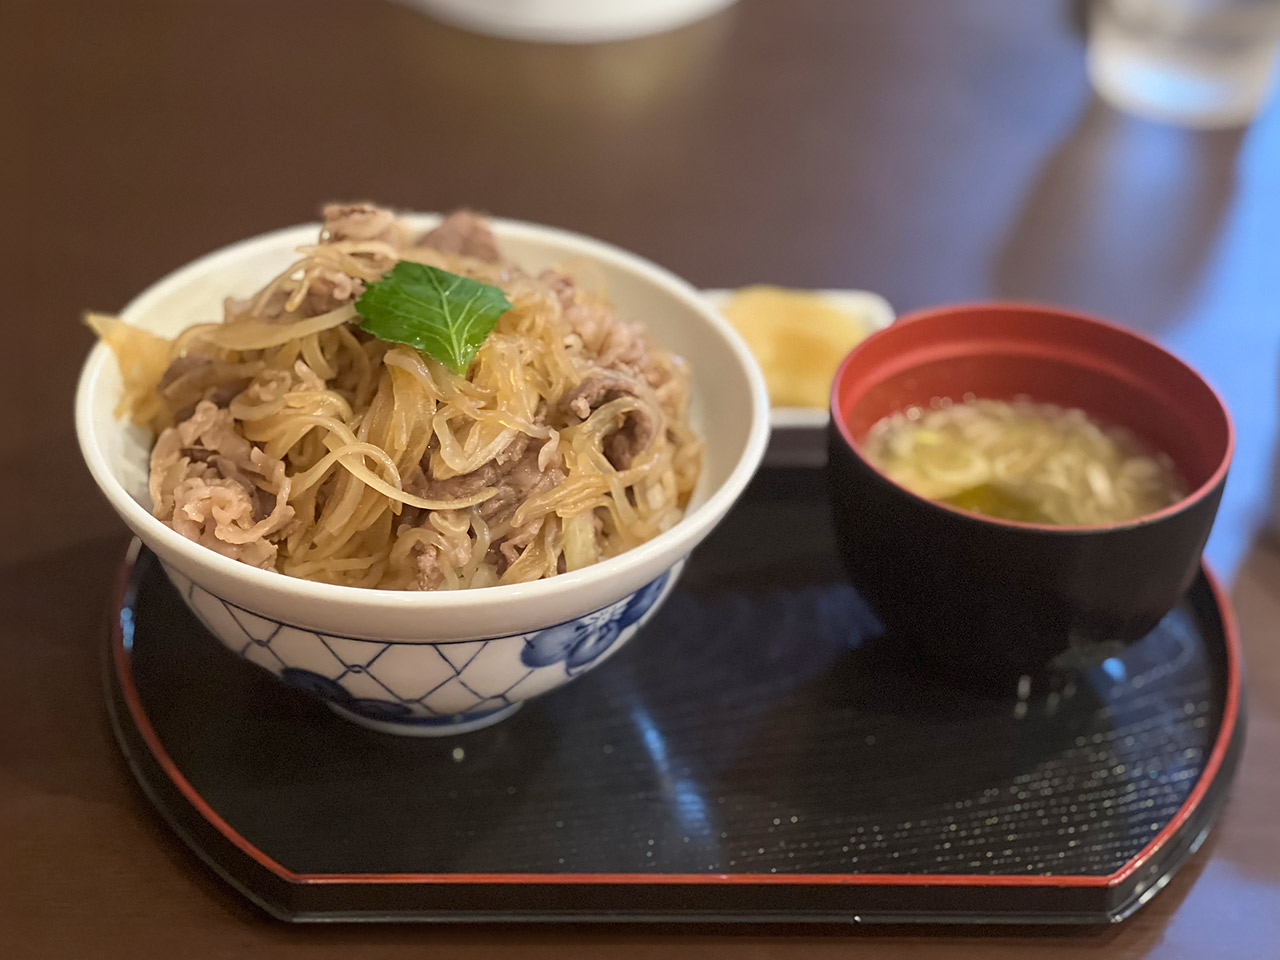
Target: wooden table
{"x":930,"y":151}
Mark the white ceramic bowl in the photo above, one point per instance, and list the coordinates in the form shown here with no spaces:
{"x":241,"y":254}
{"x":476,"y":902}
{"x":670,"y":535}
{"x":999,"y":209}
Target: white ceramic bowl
{"x":436,"y":662}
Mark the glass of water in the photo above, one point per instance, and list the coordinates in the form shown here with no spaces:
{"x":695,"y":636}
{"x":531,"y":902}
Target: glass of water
{"x":1198,"y":63}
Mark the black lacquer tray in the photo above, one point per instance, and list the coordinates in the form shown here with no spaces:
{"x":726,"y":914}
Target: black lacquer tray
{"x":753,"y":755}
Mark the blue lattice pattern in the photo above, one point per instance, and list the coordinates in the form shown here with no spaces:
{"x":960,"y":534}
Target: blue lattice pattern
{"x":422,"y":682}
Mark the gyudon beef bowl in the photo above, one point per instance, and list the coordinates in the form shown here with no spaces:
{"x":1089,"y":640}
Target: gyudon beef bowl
{"x":424,"y":468}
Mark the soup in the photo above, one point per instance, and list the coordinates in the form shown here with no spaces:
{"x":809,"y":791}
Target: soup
{"x":1024,"y":461}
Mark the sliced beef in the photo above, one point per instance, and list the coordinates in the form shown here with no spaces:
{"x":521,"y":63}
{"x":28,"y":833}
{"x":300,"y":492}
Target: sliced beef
{"x":514,"y":479}
{"x":612,"y":342}
{"x":519,"y":481}
{"x":195,"y":377}
{"x":513,"y":545}
{"x":624,"y":347}
{"x":427,"y":559}
{"x":516,"y":449}
{"x":235,"y":309}
{"x":420,"y":483}
{"x":454,"y":527}
{"x":596,"y":390}
{"x":214,"y":487}
{"x":515,"y":476}
{"x":635,"y":433}
{"x":358,"y":221}
{"x":589,"y":321}
{"x":465,"y":234}
{"x":184,"y":365}
{"x":630,"y":440}
{"x":330,"y":289}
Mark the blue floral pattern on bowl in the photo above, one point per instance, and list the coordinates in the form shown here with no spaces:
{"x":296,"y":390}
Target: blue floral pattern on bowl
{"x":580,"y":643}
{"x":334,"y":692}
{"x":424,"y":686}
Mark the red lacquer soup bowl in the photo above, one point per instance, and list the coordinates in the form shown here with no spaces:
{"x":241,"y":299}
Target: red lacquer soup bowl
{"x":992,"y":598}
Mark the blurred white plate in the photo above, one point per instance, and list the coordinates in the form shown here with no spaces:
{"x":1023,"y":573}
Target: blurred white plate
{"x":569,"y":21}
{"x":800,"y":433}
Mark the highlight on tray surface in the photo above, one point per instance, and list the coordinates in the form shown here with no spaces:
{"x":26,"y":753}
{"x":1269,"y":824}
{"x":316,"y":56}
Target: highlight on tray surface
{"x":1024,"y":461}
{"x":798,"y":338}
{"x":412,"y":412}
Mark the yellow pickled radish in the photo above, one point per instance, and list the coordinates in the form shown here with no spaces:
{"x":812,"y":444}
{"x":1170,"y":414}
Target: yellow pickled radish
{"x":798,"y":338}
